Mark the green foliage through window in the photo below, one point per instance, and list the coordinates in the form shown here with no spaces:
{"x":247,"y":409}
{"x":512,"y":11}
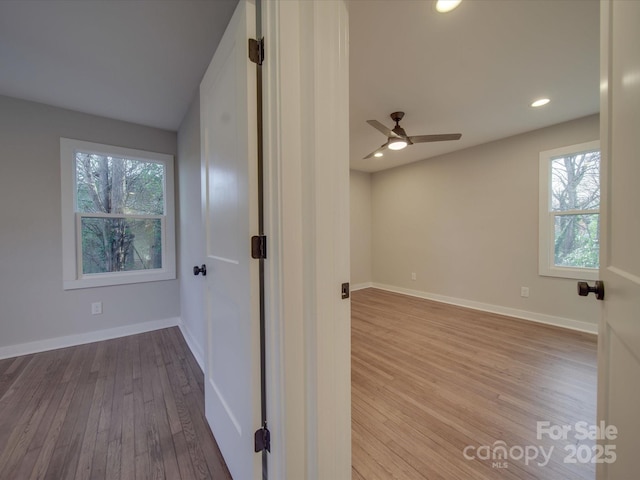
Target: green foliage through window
{"x":127,"y":198}
{"x":575,"y":203}
{"x":120,"y":244}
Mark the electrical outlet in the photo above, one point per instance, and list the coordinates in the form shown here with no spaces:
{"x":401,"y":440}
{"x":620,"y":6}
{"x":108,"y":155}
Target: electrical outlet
{"x":96,"y":308}
{"x":413,"y":276}
{"x":524,"y":292}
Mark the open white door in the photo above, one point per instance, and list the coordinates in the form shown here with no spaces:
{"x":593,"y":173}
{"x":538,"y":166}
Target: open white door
{"x":619,"y":340}
{"x":229,"y":162}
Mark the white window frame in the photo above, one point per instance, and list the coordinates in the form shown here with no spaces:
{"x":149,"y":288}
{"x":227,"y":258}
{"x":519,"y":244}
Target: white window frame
{"x":73,"y":278}
{"x":546,"y":257}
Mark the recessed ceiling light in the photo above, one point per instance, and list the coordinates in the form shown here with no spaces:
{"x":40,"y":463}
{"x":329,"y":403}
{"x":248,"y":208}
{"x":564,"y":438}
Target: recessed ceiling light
{"x":444,"y":6}
{"x":540,"y":102}
{"x":377,"y":154}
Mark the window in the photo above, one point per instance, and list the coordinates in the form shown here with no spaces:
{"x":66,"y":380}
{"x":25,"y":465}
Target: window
{"x":117,"y":215}
{"x":570,"y":211}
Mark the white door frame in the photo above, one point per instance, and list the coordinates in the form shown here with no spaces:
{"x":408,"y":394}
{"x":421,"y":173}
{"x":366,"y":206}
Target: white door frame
{"x":602,"y":404}
{"x":306,"y":131}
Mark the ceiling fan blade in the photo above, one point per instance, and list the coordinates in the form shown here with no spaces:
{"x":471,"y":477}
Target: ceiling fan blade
{"x":380,"y":149}
{"x":435,"y":138}
{"x":381,"y":128}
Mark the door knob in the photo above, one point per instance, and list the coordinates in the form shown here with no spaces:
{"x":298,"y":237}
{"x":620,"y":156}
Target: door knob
{"x":203,"y":270}
{"x":585,"y":289}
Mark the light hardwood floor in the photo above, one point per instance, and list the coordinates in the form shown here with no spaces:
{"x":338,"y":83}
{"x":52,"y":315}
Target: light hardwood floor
{"x":129,"y":408}
{"x":429,"y":379}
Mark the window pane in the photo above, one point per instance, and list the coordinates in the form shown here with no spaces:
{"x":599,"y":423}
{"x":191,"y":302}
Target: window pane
{"x":107,"y":184}
{"x":120,"y":244}
{"x":575,"y":182}
{"x":577,"y":240}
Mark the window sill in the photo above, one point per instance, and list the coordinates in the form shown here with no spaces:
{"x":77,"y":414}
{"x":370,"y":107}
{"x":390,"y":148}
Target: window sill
{"x":111,"y":279}
{"x":571,"y":273}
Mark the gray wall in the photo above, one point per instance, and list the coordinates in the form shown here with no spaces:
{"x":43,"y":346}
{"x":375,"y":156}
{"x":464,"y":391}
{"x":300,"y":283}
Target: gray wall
{"x":33,"y":305}
{"x":360,"y":198}
{"x":467,"y":224}
{"x":190,"y":230}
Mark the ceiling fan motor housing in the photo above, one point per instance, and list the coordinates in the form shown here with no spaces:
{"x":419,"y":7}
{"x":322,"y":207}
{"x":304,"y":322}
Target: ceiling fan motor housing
{"x":400,"y":131}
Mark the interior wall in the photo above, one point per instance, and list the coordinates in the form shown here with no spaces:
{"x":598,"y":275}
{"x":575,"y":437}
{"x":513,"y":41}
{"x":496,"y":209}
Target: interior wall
{"x":191,"y":243}
{"x":360,"y":191}
{"x":466,"y":224}
{"x":33,"y":305}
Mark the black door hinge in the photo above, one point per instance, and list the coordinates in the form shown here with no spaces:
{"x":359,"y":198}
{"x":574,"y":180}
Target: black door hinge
{"x":259,"y":246}
{"x":262,"y":439}
{"x":256,"y":50}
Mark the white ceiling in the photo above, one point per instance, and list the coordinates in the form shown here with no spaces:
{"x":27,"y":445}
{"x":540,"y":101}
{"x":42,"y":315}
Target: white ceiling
{"x":472,"y":71}
{"x":139,"y":61}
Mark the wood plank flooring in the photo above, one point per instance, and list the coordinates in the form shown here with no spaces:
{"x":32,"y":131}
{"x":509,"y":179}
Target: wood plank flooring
{"x":429,"y":379}
{"x":129,"y":408}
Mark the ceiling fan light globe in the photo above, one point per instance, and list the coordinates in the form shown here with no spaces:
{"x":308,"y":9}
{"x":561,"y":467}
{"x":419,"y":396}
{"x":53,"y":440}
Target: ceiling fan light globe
{"x":378,"y":154}
{"x":445,"y":6}
{"x":397,"y":144}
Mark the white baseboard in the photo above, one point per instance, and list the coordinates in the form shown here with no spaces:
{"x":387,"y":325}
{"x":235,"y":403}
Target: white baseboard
{"x":194,"y":346}
{"x":361,"y":286}
{"x":89,"y":337}
{"x":486,"y":307}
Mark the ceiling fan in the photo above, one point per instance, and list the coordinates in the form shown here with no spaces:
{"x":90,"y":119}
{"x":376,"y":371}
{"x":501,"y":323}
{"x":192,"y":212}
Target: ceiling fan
{"x":397,"y":138}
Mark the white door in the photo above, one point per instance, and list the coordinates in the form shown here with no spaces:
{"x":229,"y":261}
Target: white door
{"x":619,"y":341}
{"x":229,"y":161}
